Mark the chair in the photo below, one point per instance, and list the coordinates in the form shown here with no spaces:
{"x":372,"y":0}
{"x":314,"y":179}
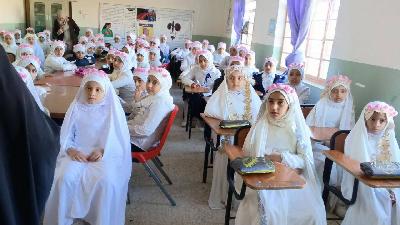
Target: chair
{"x":337,"y":143}
{"x":306,"y":109}
{"x":240,"y":137}
{"x":153,"y":153}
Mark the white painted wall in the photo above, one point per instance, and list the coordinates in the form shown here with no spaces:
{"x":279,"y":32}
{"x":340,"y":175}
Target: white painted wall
{"x":265,"y":11}
{"x":12,"y":11}
{"x":209,"y":18}
{"x":368,"y":32}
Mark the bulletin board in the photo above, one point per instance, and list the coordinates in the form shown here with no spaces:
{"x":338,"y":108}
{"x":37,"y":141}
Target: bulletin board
{"x":124,"y":18}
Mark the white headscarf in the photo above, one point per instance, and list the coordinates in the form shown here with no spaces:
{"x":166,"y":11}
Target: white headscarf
{"x":125,"y":60}
{"x":24,"y":48}
{"x":317,"y":116}
{"x":115,"y":140}
{"x":209,"y":57}
{"x":221,"y":45}
{"x":144,"y":53}
{"x":165,"y":80}
{"x":131,"y":55}
{"x":35,"y":61}
{"x":256,"y":141}
{"x":26,"y":77}
{"x":11,"y":48}
{"x":79,"y":48}
{"x":357,"y":147}
{"x":142,"y":73}
{"x":217,"y":106}
{"x":56,"y":44}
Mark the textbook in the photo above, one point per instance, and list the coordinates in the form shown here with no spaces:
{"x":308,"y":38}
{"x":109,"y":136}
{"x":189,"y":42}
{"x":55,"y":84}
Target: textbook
{"x":252,"y":165}
{"x":234,"y":123}
{"x":381,"y":171}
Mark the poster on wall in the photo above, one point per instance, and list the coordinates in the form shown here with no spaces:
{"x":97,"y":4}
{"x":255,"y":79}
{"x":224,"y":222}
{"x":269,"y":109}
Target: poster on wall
{"x":146,"y":15}
{"x":114,"y":14}
{"x":176,"y":24}
{"x":146,"y":29}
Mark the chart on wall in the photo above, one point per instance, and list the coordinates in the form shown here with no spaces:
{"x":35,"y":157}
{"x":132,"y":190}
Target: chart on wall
{"x":176,"y":24}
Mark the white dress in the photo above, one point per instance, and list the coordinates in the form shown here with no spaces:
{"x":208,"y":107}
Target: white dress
{"x":188,"y":61}
{"x":301,"y":204}
{"x":205,"y":78}
{"x":125,"y":85}
{"x":147,"y":121}
{"x":54,"y":63}
{"x":219,"y":57}
{"x":303,"y":92}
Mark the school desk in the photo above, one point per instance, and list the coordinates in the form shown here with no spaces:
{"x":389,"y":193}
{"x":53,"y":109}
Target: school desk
{"x":283,"y":178}
{"x":212,"y":124}
{"x":353,"y":167}
{"x":322,"y":133}
{"x":60,"y":78}
{"x":58,"y":100}
{"x":190,"y":94}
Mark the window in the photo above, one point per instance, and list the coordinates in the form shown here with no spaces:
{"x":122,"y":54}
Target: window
{"x":318,"y":44}
{"x":248,"y":24}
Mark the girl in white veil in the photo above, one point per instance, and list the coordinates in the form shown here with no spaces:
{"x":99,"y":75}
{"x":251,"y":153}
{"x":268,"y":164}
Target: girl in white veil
{"x":372,"y":139}
{"x":235,"y":99}
{"x":94,"y":163}
{"x":281,"y":134}
{"x":295,"y":80}
{"x":334,"y":109}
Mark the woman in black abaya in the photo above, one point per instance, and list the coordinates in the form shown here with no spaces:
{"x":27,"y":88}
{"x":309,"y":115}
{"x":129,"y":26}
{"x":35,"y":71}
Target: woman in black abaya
{"x":29,"y":145}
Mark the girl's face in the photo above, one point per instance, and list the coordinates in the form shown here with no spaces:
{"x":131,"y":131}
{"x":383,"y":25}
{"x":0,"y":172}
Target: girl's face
{"x":87,"y":33}
{"x":203,"y":63}
{"x":99,"y":50}
{"x":8,"y":40}
{"x":162,"y":39}
{"x":110,"y":58}
{"x":94,"y":92}
{"x":128,"y":39}
{"x":124,"y":49}
{"x":25,"y":54}
{"x":59,"y":52}
{"x":139,"y":83}
{"x":17,"y":36}
{"x":153,"y":85}
{"x":187,"y":45}
{"x":80,"y":55}
{"x":116,"y":39}
{"x":277,"y":105}
{"x":11,"y":57}
{"x":294,"y":77}
{"x":232,"y":51}
{"x":194,"y":51}
{"x":83,"y":42}
{"x":247,"y":60}
{"x":152,"y":56}
{"x":268,"y":67}
{"x":31,"y":40}
{"x":338,"y":94}
{"x":221,"y":50}
{"x":236,"y":81}
{"x":242,"y":53}
{"x":152,"y":44}
{"x":41,"y":39}
{"x":118,"y":63}
{"x":376,"y":123}
{"x":90,"y":50}
{"x":32,"y":70}
{"x":139,"y":57}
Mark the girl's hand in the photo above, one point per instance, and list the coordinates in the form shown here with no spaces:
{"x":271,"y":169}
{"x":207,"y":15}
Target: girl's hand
{"x":138,"y":93}
{"x":76,"y":155}
{"x":96,"y":155}
{"x":275,"y":157}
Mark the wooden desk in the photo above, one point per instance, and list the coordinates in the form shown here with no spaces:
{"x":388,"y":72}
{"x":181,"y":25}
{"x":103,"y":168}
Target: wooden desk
{"x":60,"y":79}
{"x":322,"y":133}
{"x":198,"y":90}
{"x":214,"y":125}
{"x":283,"y":178}
{"x":353,"y":167}
{"x":58,"y":100}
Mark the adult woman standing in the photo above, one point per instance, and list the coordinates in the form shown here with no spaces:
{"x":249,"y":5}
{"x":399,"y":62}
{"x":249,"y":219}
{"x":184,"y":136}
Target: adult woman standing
{"x":65,"y":29}
{"x":107,"y":32}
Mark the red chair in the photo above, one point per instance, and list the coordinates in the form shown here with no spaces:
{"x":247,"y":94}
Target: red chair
{"x":153,"y":153}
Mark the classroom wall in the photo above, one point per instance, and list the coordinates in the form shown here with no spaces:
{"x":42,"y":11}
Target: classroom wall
{"x":210,"y":16}
{"x":13,"y":16}
{"x":366,"y":48}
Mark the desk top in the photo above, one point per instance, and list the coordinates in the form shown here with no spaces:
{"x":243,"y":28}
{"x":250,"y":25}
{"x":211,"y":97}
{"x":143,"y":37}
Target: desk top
{"x":60,"y":78}
{"x":353,"y":166}
{"x":58,"y":100}
{"x":198,"y":90}
{"x":214,"y":125}
{"x":322,"y":133}
{"x":283,"y":178}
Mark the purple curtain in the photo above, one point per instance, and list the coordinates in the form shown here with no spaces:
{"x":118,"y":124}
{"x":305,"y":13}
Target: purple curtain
{"x":299,"y":14}
{"x":238,"y":14}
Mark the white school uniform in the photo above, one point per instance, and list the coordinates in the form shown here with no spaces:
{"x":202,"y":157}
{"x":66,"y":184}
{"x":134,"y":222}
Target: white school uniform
{"x":219,"y":57}
{"x":57,"y":63}
{"x":205,"y":78}
{"x":188,"y":62}
{"x":228,"y":105}
{"x":373,"y":205}
{"x":150,"y":115}
{"x":302,"y":90}
{"x":124,"y":82}
{"x":290,"y":137}
{"x":93,"y":191}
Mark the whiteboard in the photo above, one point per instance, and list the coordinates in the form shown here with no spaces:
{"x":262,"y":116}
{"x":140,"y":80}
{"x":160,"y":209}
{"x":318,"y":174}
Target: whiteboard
{"x":124,"y":18}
